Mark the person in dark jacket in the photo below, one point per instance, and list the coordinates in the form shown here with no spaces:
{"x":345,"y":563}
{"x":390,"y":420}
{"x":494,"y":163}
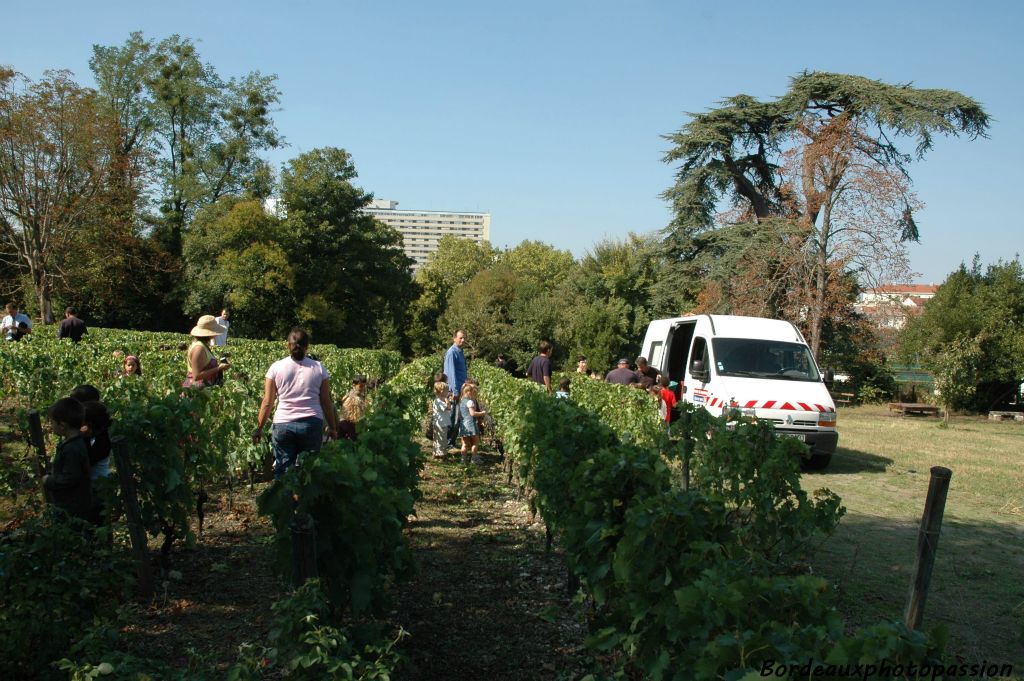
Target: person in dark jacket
{"x":67,"y":484}
{"x":539,"y":370}
{"x":622,"y":375}
{"x":71,"y":326}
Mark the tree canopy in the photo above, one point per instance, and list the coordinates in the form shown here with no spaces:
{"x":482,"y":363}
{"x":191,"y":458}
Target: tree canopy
{"x":353,"y":284}
{"x":826,"y":157}
{"x":201,"y":133}
{"x":53,"y":163}
{"x":978,"y":314}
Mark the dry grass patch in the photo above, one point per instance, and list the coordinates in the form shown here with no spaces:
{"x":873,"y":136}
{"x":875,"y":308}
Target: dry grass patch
{"x":881,"y":471}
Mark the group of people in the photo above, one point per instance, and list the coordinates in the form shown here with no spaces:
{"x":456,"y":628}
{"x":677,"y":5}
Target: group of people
{"x":643,"y":377}
{"x":15,"y":325}
{"x":456,"y":408}
{"x":82,"y":459}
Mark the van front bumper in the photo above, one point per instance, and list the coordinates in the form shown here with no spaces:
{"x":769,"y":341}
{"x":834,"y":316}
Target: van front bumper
{"x":819,"y":442}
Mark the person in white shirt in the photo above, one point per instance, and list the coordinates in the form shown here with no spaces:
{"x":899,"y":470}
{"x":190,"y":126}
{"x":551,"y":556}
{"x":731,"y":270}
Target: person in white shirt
{"x":15,"y":324}
{"x":222,"y":339}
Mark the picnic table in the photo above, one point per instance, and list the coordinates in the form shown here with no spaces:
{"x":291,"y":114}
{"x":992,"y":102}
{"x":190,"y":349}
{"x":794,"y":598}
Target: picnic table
{"x":907,"y":408}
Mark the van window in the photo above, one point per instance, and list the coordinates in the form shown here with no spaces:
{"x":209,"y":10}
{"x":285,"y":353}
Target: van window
{"x":699,"y":352}
{"x":655,"y":352}
{"x":758,"y":358}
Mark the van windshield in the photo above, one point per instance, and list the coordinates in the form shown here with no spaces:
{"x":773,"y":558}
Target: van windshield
{"x":755,"y":358}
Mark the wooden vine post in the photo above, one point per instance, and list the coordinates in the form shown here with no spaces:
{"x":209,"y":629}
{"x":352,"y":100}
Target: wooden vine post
{"x":130,"y":499}
{"x":303,"y":534}
{"x":35,"y":431}
{"x":927,"y":544}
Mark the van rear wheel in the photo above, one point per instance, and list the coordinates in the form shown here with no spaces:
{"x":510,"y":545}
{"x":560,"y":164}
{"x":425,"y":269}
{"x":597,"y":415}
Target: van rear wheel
{"x":816,"y":462}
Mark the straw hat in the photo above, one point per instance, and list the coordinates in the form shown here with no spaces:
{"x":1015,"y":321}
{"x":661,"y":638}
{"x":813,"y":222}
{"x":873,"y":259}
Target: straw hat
{"x":207,"y":326}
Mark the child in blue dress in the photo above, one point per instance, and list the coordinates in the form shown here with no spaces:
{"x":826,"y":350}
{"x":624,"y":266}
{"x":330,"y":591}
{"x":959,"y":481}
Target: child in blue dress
{"x":468,"y":430}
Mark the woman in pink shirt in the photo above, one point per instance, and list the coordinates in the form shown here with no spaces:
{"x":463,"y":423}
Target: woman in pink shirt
{"x":301,"y":386}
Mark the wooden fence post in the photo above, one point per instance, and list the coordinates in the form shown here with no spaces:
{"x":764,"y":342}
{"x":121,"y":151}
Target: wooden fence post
{"x":35,"y":431}
{"x":303,"y":549}
{"x":927,"y":544}
{"x":140,"y":544}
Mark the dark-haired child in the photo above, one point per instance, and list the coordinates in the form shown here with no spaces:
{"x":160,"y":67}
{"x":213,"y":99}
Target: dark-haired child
{"x":68,"y":482}
{"x":85,"y":393}
{"x":563,"y":389}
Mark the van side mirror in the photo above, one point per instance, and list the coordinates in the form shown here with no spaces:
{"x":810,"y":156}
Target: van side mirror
{"x":698,"y":371}
{"x":829,"y":378}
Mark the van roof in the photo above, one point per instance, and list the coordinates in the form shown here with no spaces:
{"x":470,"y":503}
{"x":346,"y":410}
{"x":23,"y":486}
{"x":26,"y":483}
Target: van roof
{"x":735,"y":326}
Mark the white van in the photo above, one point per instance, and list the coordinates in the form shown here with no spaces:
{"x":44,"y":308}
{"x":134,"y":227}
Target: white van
{"x":759,"y":367}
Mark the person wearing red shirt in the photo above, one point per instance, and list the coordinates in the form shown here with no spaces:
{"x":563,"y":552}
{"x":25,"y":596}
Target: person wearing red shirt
{"x":669,"y":397}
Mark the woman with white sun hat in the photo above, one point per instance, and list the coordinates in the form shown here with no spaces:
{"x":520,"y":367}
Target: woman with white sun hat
{"x":203,"y":367}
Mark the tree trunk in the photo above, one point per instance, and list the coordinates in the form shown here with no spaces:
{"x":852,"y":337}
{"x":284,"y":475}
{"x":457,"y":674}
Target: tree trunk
{"x":820,"y":282}
{"x":43,"y":294}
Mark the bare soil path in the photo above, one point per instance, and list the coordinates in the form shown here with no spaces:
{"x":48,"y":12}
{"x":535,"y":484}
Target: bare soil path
{"x":488,"y":602}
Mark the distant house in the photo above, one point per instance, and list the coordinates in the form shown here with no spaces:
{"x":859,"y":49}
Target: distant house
{"x":891,"y":305}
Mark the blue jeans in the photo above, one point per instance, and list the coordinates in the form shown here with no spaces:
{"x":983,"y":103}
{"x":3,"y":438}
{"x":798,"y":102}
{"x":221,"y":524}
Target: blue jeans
{"x":292,"y":438}
{"x":453,"y":429}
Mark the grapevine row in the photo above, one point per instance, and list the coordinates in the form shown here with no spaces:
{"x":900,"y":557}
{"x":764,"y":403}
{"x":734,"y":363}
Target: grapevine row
{"x":697,"y":583}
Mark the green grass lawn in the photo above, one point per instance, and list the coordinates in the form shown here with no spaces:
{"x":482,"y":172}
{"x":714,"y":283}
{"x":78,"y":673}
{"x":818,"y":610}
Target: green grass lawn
{"x":881,"y":471}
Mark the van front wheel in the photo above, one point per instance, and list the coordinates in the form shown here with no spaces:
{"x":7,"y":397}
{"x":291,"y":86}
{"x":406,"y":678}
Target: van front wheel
{"x":816,"y":462}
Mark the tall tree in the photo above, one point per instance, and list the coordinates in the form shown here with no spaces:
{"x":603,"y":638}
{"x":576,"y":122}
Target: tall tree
{"x":455,"y":262}
{"x":538,"y":262}
{"x":238,"y":255}
{"x":509,"y":307}
{"x":974,"y":308}
{"x":53,"y":159}
{"x":842,"y":132}
{"x":204,"y":134}
{"x":355,"y":283}
{"x":608,"y":300}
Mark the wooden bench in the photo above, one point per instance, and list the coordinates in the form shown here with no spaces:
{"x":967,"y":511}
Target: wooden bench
{"x":908,"y":408}
{"x":1006,"y":415}
{"x":845,"y":399}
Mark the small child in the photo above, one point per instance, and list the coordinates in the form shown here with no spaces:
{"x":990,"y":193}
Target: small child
{"x":563,"y":389}
{"x":655,"y":392}
{"x":668,"y":396}
{"x":132,"y":366}
{"x":442,"y":416}
{"x":68,"y":484}
{"x":467,"y":426}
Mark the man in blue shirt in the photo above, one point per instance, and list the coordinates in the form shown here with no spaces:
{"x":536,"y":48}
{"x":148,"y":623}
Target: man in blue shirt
{"x":455,"y":363}
{"x":455,"y":371}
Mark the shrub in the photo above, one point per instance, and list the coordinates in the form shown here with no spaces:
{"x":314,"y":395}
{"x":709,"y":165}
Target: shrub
{"x":56,"y":574}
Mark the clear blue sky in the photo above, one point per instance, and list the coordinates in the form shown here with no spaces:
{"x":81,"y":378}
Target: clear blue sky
{"x":549,"y":114}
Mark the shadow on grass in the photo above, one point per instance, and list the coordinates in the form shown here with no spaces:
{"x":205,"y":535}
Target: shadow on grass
{"x":975,"y":590}
{"x":847,"y":461}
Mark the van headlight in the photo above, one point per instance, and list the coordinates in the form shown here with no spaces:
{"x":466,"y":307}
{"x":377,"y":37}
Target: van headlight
{"x":827,"y":419}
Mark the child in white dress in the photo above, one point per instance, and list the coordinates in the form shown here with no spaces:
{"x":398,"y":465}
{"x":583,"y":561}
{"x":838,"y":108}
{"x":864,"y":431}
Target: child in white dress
{"x":442,"y":415}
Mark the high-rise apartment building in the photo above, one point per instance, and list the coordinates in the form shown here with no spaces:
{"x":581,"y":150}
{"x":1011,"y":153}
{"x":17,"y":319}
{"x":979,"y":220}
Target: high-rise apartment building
{"x":421,"y":230}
